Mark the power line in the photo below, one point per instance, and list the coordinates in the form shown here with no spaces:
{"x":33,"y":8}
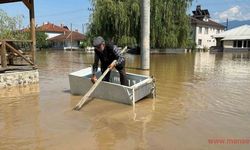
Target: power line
{"x":60,"y":13}
{"x":66,"y":19}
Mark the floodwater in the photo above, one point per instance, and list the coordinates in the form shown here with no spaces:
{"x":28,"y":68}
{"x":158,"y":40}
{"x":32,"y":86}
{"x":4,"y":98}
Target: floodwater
{"x":200,"y":97}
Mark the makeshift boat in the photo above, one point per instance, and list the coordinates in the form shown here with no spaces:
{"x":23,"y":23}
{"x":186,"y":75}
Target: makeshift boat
{"x":139,"y":86}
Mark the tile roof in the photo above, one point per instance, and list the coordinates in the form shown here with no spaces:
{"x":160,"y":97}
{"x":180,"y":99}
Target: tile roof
{"x":49,"y":27}
{"x":67,"y":36}
{"x":210,"y":23}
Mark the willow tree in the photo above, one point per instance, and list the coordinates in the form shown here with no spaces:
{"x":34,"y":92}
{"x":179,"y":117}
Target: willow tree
{"x":119,"y":21}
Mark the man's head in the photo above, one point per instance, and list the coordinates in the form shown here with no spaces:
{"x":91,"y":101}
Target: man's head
{"x":99,"y":43}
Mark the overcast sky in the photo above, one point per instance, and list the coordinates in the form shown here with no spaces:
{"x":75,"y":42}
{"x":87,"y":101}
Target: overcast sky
{"x":77,"y":12}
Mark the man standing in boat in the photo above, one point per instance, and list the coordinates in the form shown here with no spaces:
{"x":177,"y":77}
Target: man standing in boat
{"x":106,"y":53}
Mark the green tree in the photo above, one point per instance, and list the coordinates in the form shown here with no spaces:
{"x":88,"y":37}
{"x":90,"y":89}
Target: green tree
{"x":41,"y":41}
{"x":119,"y":21}
{"x":10,"y":27}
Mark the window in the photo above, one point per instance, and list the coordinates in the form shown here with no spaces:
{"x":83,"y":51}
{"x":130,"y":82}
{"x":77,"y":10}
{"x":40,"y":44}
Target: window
{"x":235,"y":43}
{"x":199,"y":42}
{"x":205,"y":19}
{"x":200,"y":30}
{"x":217,"y":31}
{"x":239,"y":43}
{"x":206,"y":30}
{"x":244,"y":43}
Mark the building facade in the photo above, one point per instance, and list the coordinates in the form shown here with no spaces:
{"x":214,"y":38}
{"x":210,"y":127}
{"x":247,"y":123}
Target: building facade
{"x":61,"y":37}
{"x":67,"y":40}
{"x":236,"y":39}
{"x":203,"y":28}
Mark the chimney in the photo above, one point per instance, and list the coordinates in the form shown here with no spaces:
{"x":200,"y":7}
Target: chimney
{"x":198,"y":7}
{"x":61,"y":25}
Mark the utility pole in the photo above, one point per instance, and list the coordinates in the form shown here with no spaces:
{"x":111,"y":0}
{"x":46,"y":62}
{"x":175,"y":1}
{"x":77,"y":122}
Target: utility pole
{"x":71,"y":36}
{"x":82,"y":28}
{"x":227,"y":23}
{"x":145,"y":34}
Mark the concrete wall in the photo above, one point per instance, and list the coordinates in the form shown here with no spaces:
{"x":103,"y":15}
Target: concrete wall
{"x":66,"y":45}
{"x":235,"y":49}
{"x":168,"y":50}
{"x":21,"y":78}
{"x":228,"y":44}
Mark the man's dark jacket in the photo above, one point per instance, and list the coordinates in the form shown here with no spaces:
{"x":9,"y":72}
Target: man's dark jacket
{"x":107,"y":56}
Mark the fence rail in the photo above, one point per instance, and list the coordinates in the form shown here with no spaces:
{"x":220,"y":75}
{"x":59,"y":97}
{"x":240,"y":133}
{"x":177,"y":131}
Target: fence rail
{"x":9,"y":51}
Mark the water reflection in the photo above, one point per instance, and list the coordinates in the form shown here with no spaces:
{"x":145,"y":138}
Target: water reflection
{"x":143,"y":116}
{"x":203,"y":92}
{"x":20,"y":91}
{"x":20,"y":118}
{"x":113,"y":129}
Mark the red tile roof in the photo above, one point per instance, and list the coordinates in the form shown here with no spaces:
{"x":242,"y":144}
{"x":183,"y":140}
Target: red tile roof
{"x":67,"y":36}
{"x":49,"y":27}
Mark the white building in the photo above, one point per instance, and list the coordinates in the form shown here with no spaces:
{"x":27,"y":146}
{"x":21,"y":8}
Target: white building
{"x":236,"y":39}
{"x":52,"y":30}
{"x":68,"y":40}
{"x":203,"y":28}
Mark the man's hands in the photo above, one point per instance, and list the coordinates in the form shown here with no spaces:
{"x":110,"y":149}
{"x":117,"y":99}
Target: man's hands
{"x":112,"y":65}
{"x":93,"y":79}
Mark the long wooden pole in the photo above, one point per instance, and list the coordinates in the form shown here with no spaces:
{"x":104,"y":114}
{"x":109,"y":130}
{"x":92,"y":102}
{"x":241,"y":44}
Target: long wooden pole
{"x":91,"y":90}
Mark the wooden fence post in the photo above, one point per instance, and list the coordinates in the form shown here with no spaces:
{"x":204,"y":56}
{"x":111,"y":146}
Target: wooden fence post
{"x":33,"y":31}
{"x":3,"y":55}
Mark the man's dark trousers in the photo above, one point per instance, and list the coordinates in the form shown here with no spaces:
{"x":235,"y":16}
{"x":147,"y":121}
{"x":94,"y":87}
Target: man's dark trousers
{"x":122,"y":72}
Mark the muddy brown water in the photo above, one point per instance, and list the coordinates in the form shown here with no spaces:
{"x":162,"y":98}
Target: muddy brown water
{"x":200,"y":96}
